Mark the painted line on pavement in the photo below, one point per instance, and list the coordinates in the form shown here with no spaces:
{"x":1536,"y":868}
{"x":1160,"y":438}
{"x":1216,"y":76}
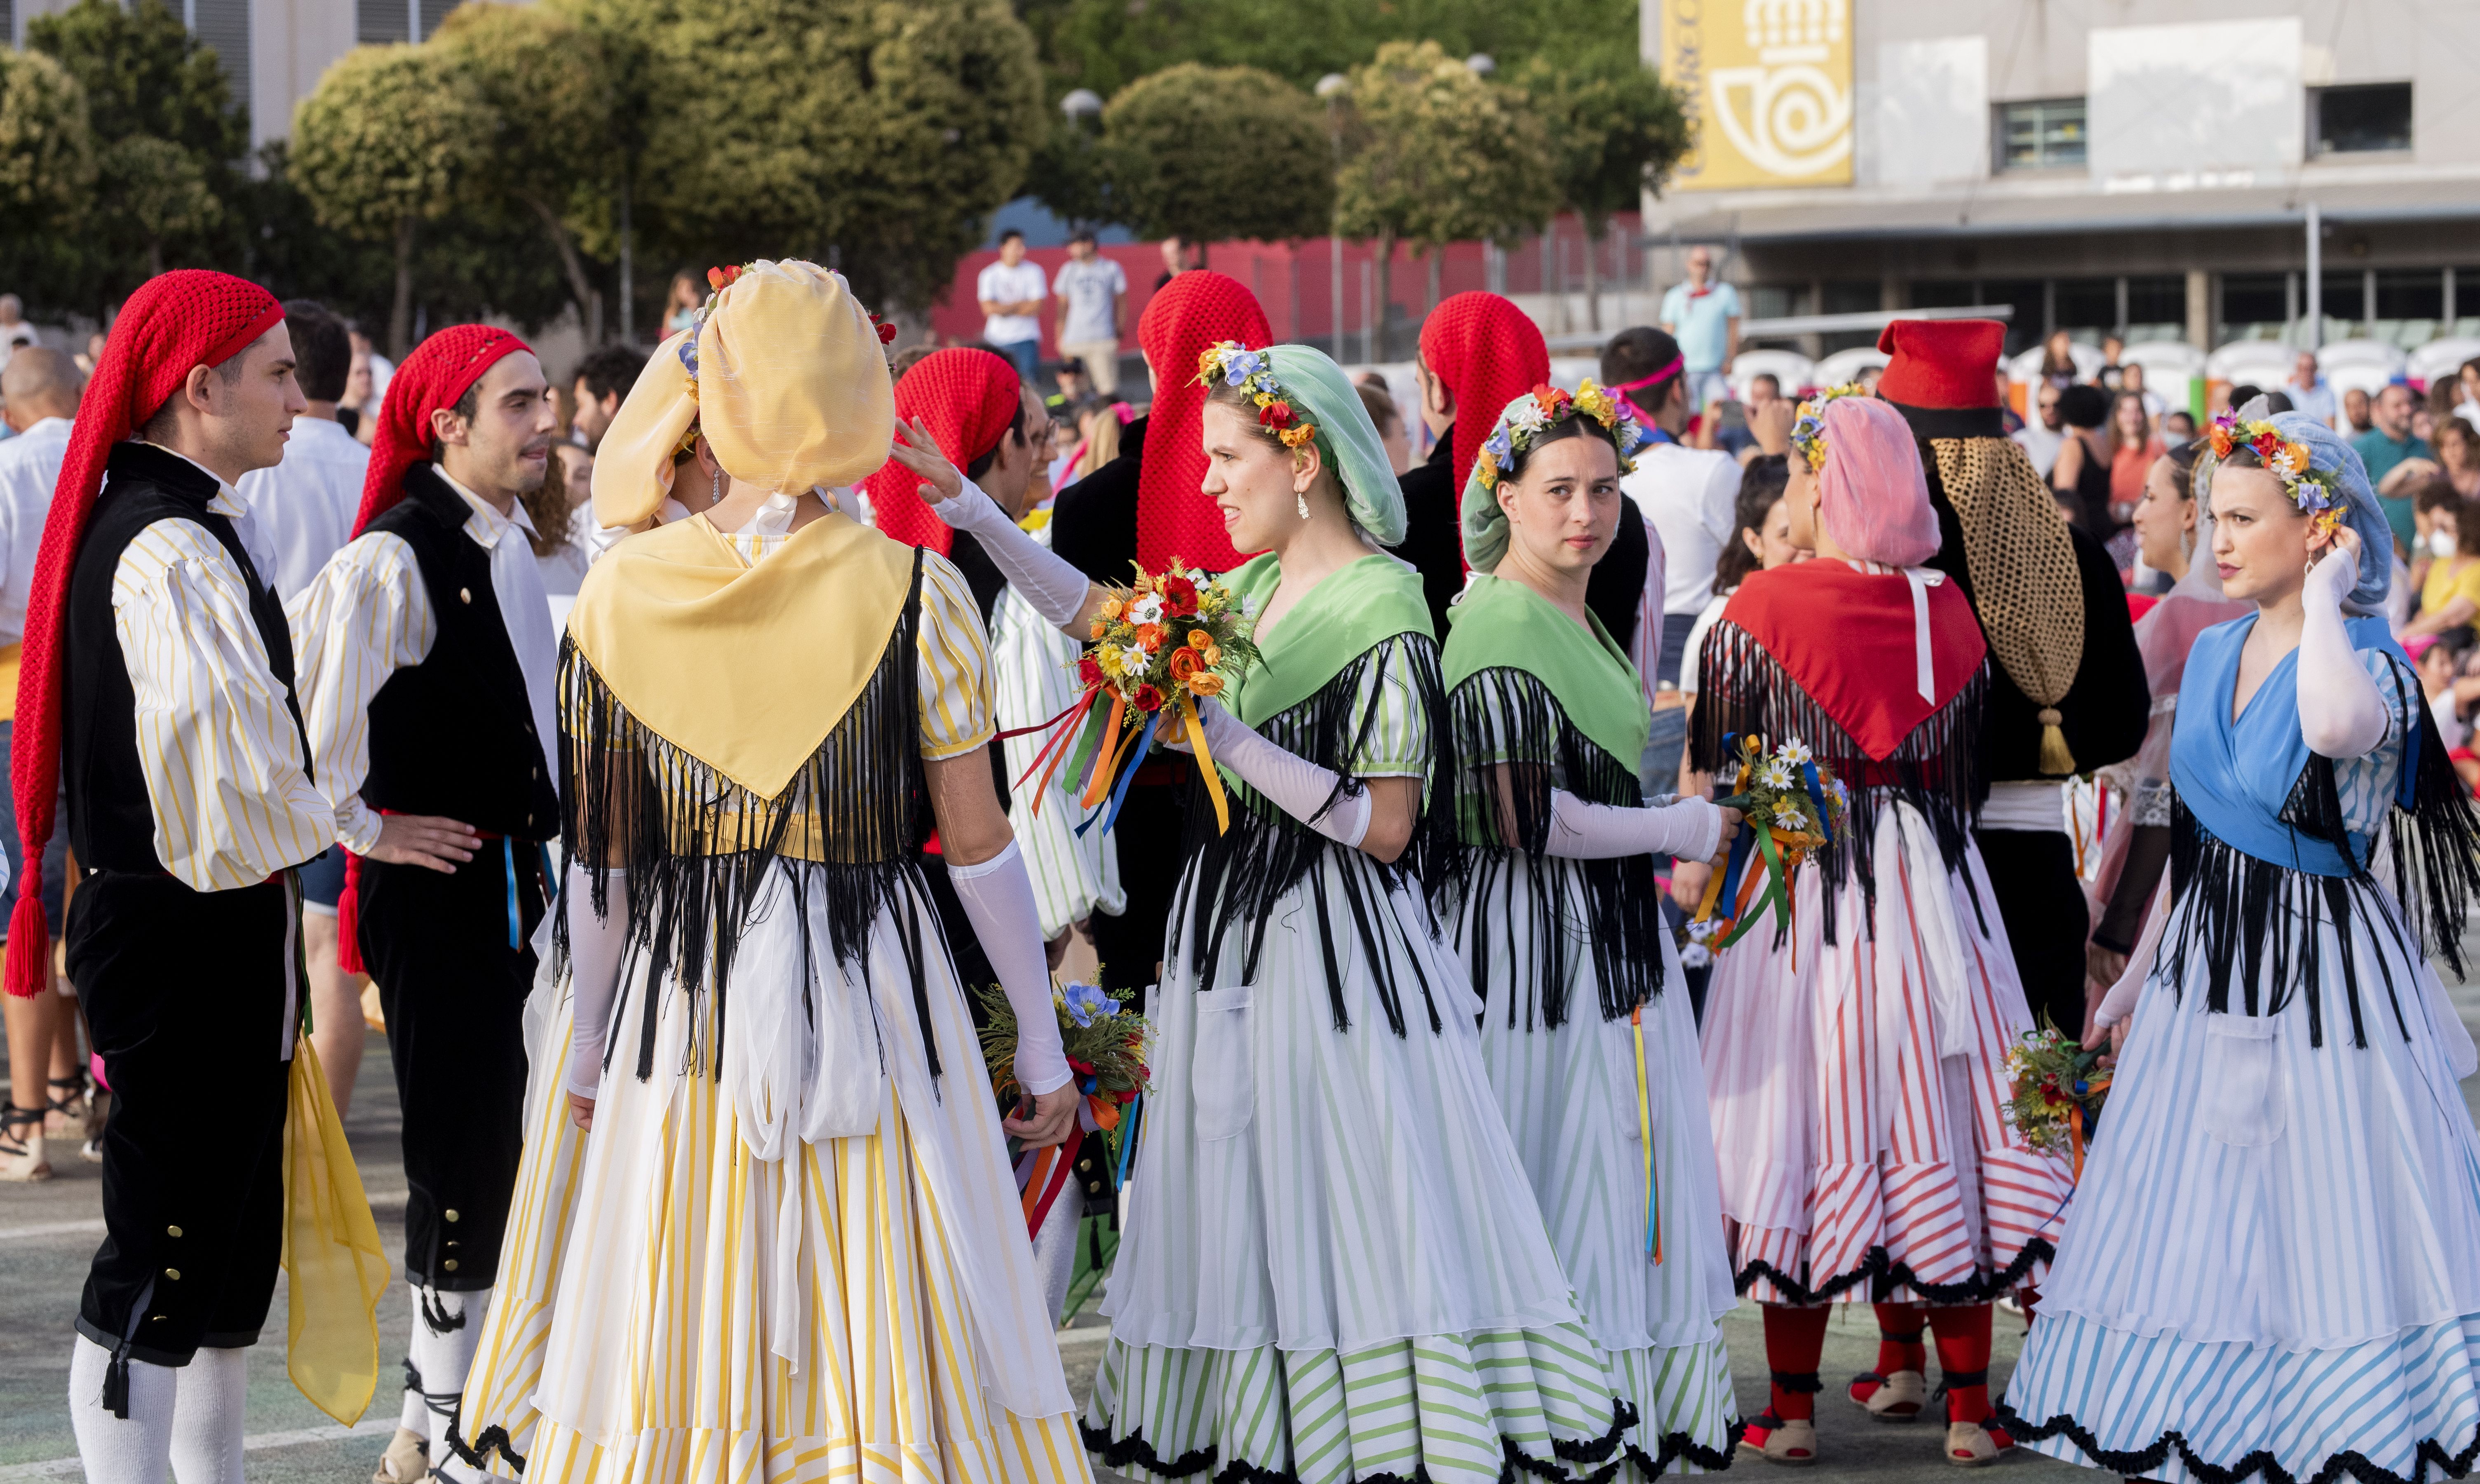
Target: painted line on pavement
{"x":367,"y":1428}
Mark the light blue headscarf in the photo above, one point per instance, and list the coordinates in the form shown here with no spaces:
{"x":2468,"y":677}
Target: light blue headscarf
{"x":2327,"y":452}
{"x":1346,"y":435}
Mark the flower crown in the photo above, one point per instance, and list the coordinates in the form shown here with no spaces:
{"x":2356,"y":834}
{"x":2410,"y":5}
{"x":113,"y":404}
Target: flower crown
{"x":1808,"y":430}
{"x":718,"y":279}
{"x":2317,"y":492}
{"x":1523,"y":422}
{"x":1233,"y":365}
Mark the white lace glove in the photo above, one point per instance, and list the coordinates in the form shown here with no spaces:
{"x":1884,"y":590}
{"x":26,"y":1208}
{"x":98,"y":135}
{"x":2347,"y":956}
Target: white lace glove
{"x":595,"y":948}
{"x":1690,"y":829}
{"x":1040,"y":576}
{"x":998,"y":897}
{"x":1296,"y":786}
{"x":2341,"y":712}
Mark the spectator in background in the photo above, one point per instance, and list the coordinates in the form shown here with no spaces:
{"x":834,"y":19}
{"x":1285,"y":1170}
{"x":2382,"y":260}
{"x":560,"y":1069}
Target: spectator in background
{"x":2467,"y":378}
{"x":2385,"y":444}
{"x":2308,"y":391}
{"x":14,"y":331}
{"x":2112,"y":376}
{"x":2130,"y":380}
{"x":601,"y":384}
{"x":382,"y":368}
{"x":1866,"y":379}
{"x":1703,"y":317}
{"x":2058,"y":360}
{"x":2132,"y":448}
{"x":2178,"y":427}
{"x":681,"y":304}
{"x":1174,"y":259}
{"x":562,"y":534}
{"x":2449,"y":596}
{"x":2436,"y":512}
{"x":1011,"y":291}
{"x":1760,"y":541}
{"x":2007,"y":417}
{"x":40,"y":390}
{"x":93,"y":354}
{"x":1389,"y":419}
{"x":1075,"y":385}
{"x":2041,"y":438}
{"x":2458,"y":456}
{"x":1093,"y":294}
{"x":2356,"y":417}
{"x":2080,"y":478}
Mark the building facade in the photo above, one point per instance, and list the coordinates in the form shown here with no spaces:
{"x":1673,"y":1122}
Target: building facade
{"x":2101,"y":165}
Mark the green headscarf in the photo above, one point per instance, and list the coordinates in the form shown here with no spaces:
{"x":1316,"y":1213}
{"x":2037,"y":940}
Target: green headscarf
{"x":1346,"y":436}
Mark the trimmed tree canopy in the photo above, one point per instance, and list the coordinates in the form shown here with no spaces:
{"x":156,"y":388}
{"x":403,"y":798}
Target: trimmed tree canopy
{"x":1219,"y":154}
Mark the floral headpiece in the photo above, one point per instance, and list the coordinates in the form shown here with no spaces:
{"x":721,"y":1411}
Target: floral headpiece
{"x":1524,"y":422}
{"x":1808,"y":429}
{"x":1228,"y":362}
{"x":718,"y":279}
{"x":2317,"y":492}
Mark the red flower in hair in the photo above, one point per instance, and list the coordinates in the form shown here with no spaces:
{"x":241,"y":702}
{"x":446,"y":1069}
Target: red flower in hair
{"x":1277,"y":415}
{"x":718,"y":279}
{"x":885,"y":331}
{"x":1147,"y":698}
{"x":1179,"y":595}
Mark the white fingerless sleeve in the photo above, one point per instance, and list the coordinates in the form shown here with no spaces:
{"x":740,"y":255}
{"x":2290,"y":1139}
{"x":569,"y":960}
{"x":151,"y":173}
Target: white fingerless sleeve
{"x":2340,"y":713}
{"x":596,"y":946}
{"x":997,"y":898}
{"x":1293,"y":784}
{"x":1690,"y":829}
{"x":1040,"y":576}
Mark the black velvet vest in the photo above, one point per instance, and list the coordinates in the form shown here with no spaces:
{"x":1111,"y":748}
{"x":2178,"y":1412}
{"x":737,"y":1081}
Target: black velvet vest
{"x":111,"y":820}
{"x":455,"y":735}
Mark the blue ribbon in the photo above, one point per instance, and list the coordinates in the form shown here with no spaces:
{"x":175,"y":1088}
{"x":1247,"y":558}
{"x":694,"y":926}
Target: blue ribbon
{"x":1740,"y":845}
{"x":1817,"y":796}
{"x":1128,"y":1139}
{"x":1109,"y":813}
{"x":508,"y":853}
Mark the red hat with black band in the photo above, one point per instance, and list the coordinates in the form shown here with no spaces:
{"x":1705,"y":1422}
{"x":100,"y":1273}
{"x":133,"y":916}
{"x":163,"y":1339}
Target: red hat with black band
{"x":174,"y":324}
{"x":1943,"y":376}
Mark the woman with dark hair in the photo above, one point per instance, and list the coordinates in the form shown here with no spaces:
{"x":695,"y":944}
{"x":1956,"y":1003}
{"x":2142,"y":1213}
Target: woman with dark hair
{"x":2059,"y":361}
{"x":2080,"y":478}
{"x":2133,"y":450}
{"x":1591,"y":1044}
{"x":2450,"y":596}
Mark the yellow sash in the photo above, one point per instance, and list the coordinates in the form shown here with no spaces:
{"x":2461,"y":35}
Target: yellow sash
{"x":331,"y":1253}
{"x":8,"y":659}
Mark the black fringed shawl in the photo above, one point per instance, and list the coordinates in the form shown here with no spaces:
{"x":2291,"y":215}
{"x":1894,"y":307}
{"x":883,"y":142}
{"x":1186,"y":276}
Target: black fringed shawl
{"x":1240,"y":878}
{"x":696,"y":846}
{"x":2259,"y":918}
{"x":1509,"y":733}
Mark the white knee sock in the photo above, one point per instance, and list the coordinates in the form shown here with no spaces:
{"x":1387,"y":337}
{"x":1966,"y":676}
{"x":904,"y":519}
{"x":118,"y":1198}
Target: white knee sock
{"x":442,"y":1358}
{"x":115,"y":1450}
{"x":208,"y":1417}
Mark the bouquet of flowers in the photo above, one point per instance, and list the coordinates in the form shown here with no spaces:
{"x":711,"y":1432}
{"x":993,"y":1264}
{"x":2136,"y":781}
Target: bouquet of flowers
{"x":1791,"y":813}
{"x":2058,"y":1090}
{"x":1158,"y":646}
{"x":1106,"y":1051}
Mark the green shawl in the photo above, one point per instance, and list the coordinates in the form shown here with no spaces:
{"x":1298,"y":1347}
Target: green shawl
{"x":1350,"y":613}
{"x":1500,"y":623}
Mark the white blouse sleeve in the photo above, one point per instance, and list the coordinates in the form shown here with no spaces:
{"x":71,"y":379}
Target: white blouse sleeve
{"x":232,"y":801}
{"x":365,"y":616}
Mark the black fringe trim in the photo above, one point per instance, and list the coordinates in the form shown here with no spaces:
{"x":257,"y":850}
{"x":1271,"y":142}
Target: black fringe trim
{"x":1241,"y":878}
{"x":697,"y":847}
{"x":1879,"y":1268}
{"x":1742,"y":689}
{"x":2143,"y":1461}
{"x":1679,"y":1444}
{"x":494,"y":1440}
{"x":1513,"y":746}
{"x":1119,"y":1452}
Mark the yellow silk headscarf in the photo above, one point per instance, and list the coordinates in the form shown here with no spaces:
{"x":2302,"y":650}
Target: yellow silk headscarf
{"x":791,"y":391}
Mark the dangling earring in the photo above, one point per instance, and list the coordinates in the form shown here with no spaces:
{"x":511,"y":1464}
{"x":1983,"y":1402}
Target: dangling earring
{"x":716,"y":496}
{"x":1301,"y":502}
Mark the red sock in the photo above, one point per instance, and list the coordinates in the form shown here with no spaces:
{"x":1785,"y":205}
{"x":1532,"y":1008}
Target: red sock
{"x":1898,"y":1338}
{"x":1794,"y":1338}
{"x":1963,"y":1361}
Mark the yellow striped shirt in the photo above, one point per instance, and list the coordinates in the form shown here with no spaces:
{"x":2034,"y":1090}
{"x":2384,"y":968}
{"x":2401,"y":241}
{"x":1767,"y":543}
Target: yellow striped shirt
{"x":225,"y":779}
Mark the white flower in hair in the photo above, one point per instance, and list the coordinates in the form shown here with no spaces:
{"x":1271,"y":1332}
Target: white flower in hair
{"x":1528,"y":418}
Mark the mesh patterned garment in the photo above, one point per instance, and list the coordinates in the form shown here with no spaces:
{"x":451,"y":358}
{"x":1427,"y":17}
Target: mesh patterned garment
{"x":2025,"y":585}
{"x":1194,"y":311}
{"x":969,"y":398}
{"x":1488,"y":352}
{"x":441,"y":370}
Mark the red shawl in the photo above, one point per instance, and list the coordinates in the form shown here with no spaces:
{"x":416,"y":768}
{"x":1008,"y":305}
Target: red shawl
{"x":1846,"y":638}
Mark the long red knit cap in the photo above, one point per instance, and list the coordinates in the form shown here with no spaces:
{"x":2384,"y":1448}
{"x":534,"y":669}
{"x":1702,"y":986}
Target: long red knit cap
{"x":174,"y":324}
{"x":969,"y":397}
{"x":1488,"y":352}
{"x":439,"y":370}
{"x":1193,"y":311}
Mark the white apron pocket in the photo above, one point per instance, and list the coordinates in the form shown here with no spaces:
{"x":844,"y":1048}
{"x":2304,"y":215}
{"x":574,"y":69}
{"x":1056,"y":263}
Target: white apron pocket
{"x":2244,"y":1102}
{"x":1224,"y":1076}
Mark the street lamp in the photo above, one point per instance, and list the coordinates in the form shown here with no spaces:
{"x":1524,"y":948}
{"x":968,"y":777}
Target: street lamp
{"x":1334,"y":87}
{"x":1482,"y":65}
{"x":1082,"y":104}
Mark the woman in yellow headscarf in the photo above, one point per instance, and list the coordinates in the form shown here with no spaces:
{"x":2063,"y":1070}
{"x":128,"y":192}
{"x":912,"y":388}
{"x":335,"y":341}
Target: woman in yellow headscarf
{"x":766,"y":1227}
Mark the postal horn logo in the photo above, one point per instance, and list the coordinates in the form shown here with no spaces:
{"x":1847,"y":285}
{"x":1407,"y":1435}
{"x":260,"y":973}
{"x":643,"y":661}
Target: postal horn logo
{"x":1787,"y":114}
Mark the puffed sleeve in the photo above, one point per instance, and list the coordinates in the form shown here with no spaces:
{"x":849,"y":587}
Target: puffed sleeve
{"x":365,"y":616}
{"x":955,"y":669}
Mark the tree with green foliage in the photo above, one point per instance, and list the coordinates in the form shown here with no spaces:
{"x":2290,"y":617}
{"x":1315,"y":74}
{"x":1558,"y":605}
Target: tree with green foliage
{"x":1615,"y":130}
{"x":385,"y":144}
{"x":167,"y":133}
{"x":541,"y":75}
{"x":46,"y":154}
{"x":876,"y":137}
{"x":1218,"y":153}
{"x":1434,"y":155}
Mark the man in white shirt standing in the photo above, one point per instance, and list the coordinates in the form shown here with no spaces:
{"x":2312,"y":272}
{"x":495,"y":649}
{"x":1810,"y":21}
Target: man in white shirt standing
{"x":40,"y":388}
{"x":2308,"y":391}
{"x":1092,"y":290}
{"x":1704,"y":316}
{"x":1011,"y":291}
{"x":304,"y":507}
{"x":1689,"y":495}
{"x":2041,"y":438}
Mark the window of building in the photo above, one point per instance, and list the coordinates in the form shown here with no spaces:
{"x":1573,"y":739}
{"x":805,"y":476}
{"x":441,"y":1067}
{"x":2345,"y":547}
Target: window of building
{"x":2255,"y":306}
{"x":1942,"y":293}
{"x":2341,"y":299}
{"x":2086,"y":304}
{"x":2041,"y":133}
{"x":2359,"y":119}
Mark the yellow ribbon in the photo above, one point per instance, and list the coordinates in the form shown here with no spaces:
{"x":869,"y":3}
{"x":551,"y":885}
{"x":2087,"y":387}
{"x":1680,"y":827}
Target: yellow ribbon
{"x":1644,"y":1137}
{"x":1106,"y":759}
{"x":333,"y":1263}
{"x":1204,"y":762}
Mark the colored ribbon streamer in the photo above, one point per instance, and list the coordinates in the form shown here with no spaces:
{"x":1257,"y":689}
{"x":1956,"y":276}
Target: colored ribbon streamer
{"x":1128,"y":1139}
{"x":1644,"y":1137}
{"x":1115,"y":744}
{"x":1205,"y":762}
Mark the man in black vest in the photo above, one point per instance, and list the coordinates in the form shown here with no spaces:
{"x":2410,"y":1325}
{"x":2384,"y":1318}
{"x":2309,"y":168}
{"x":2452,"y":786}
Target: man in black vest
{"x":426,"y":652}
{"x":157,"y":666}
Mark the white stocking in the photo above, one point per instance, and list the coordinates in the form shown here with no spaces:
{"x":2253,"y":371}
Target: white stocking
{"x":208,"y":1417}
{"x":133,"y":1450}
{"x":442,"y":1360}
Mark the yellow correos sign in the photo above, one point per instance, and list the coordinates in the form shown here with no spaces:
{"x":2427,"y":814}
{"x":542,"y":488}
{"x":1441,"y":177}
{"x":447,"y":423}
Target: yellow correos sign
{"x":1767,"y":85}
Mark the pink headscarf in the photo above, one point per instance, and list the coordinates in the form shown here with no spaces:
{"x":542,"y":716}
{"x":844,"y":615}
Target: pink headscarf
{"x":1871,"y":494}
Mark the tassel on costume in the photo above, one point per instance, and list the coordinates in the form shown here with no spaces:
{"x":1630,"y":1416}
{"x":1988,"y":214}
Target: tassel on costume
{"x":349,"y":918}
{"x":29,"y":939}
{"x":435,"y":1317}
{"x":2055,"y":758}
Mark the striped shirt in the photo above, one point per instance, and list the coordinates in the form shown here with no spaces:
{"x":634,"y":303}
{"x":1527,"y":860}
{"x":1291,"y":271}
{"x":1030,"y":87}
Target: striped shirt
{"x":225,"y":778}
{"x":368,"y":614}
{"x":1071,"y":875}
